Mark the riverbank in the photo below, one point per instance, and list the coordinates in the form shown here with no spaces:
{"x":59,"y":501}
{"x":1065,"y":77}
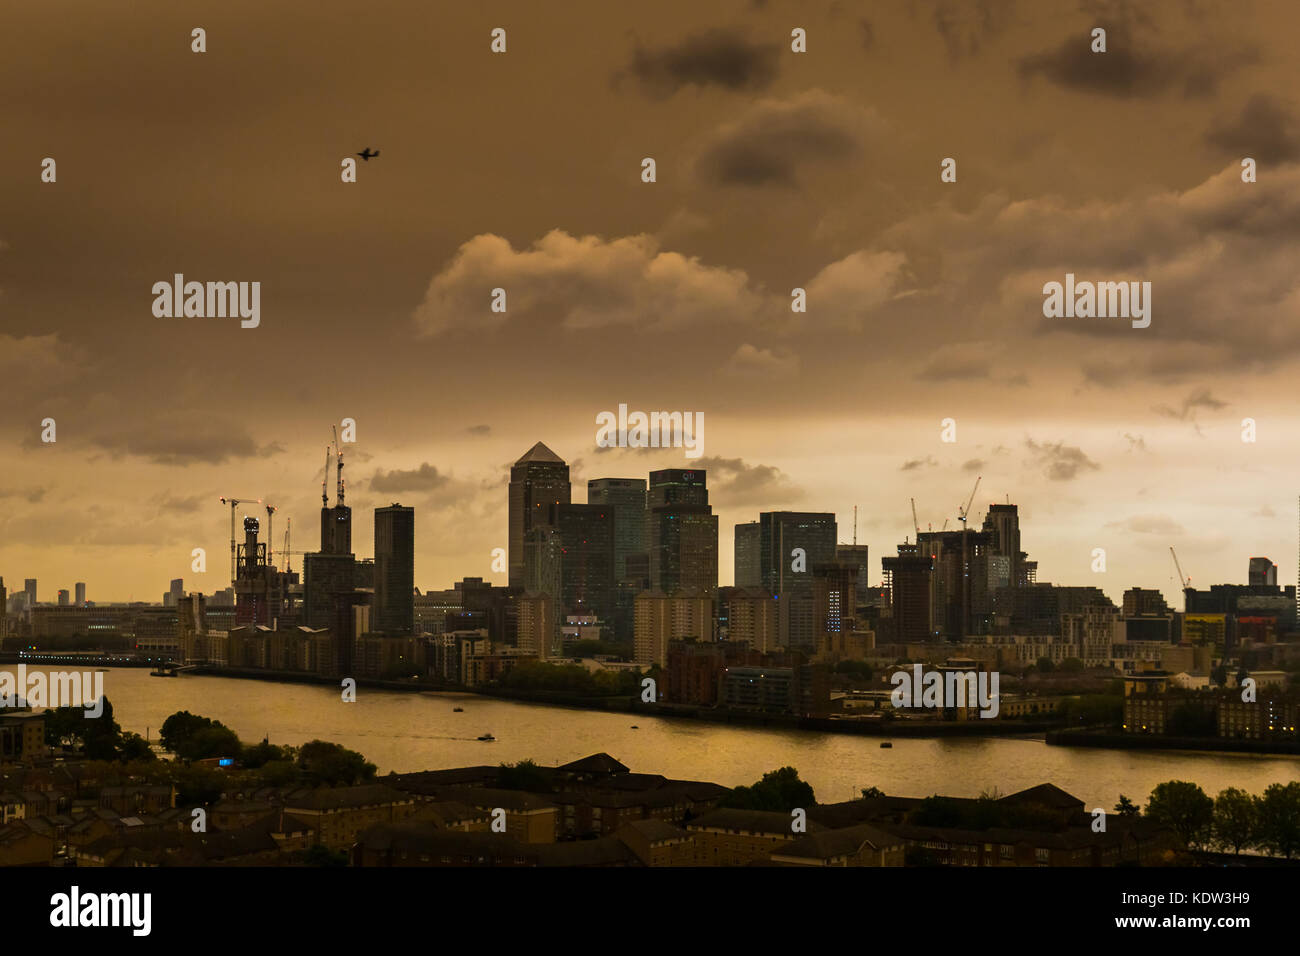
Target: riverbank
{"x":1114,"y":740}
{"x":905,"y":727}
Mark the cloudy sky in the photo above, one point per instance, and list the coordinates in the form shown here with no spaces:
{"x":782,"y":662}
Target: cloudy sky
{"x":775,"y":170}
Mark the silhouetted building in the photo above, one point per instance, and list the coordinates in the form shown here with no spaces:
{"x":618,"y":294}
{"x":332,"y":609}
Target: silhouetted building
{"x":910,"y":579}
{"x":538,"y":481}
{"x":627,"y":497}
{"x":394,"y":569}
{"x":682,"y":533}
{"x":856,"y":555}
{"x":791,"y":544}
{"x":748,"y":550}
{"x":587,"y":549}
{"x":81,"y":592}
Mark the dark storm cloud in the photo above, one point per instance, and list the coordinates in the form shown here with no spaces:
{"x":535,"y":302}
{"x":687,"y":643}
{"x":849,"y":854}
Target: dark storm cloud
{"x":1265,"y":129}
{"x":975,"y":464}
{"x":915,"y":463}
{"x":1133,"y":65}
{"x":197,"y":440}
{"x":1059,"y":461}
{"x":771,"y":141}
{"x":724,"y":58}
{"x":733,"y":482}
{"x":424,"y":478}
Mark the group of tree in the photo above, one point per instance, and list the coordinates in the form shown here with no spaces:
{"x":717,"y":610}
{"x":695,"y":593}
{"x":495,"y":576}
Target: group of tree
{"x":194,"y":738}
{"x":97,"y":738}
{"x":1232,"y":822}
{"x":571,"y":679}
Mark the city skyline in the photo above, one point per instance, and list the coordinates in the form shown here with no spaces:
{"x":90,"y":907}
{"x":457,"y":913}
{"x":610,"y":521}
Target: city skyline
{"x":879,"y":548}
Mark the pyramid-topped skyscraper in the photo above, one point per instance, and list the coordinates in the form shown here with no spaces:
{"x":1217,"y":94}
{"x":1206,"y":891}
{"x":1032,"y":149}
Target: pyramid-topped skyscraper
{"x":538,"y":481}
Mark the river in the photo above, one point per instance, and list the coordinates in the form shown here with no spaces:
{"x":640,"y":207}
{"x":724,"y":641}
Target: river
{"x":420,"y":731}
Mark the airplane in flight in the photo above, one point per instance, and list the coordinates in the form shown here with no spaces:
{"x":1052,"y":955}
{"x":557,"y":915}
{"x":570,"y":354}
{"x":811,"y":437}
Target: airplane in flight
{"x":366,"y":154}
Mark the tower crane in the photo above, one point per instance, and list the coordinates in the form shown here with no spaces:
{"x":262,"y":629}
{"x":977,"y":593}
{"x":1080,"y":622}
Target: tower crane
{"x":235,"y":503}
{"x":1184,"y":583}
{"x":916,"y":524}
{"x":965,"y":512}
{"x":270,"y":524}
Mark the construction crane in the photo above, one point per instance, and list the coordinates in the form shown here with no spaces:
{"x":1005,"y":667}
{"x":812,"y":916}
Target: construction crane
{"x":1183,"y":583}
{"x":324,"y":499}
{"x":965,"y":512}
{"x":338,"y":465}
{"x":235,"y":503}
{"x":916,"y":524}
{"x":270,"y":524}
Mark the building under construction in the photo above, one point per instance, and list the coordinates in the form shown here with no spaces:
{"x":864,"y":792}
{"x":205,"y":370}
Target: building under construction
{"x":263,"y":594}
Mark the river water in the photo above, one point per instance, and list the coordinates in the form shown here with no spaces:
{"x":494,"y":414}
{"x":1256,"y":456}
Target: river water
{"x":420,"y":731}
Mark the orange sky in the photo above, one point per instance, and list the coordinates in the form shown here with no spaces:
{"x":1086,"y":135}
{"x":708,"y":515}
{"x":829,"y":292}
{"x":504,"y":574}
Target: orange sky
{"x":775,"y":170}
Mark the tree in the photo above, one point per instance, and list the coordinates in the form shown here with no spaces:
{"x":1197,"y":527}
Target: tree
{"x":260,"y":754}
{"x":779,"y":790}
{"x":1045,"y":665}
{"x":1219,"y":675}
{"x":1126,"y":807}
{"x":870,"y":792}
{"x":100,"y":737}
{"x":215,"y":741}
{"x":524,"y":775}
{"x":1279,"y":819}
{"x":1071,"y":665}
{"x":178,"y":729}
{"x":1236,"y":819}
{"x":134,"y":747}
{"x":325,"y":763}
{"x":1184,"y":807}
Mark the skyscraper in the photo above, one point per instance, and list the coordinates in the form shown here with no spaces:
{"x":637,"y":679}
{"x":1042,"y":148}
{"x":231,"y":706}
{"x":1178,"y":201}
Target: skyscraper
{"x":538,"y":480}
{"x":29,"y":585}
{"x":1002,"y":525}
{"x":331,"y":571}
{"x":81,"y":593}
{"x":856,"y":555}
{"x":394,"y":569}
{"x":65,"y":598}
{"x":587,"y":544}
{"x":627,"y":497}
{"x":682,"y":533}
{"x":748,"y":567}
{"x":791,"y":544}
